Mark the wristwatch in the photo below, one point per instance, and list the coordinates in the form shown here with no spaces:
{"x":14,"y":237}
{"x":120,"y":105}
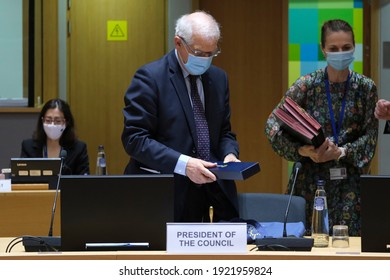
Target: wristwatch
{"x":343,"y":153}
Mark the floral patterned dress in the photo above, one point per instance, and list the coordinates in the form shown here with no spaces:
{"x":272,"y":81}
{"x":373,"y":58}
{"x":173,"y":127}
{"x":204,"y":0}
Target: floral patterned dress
{"x":358,"y":134}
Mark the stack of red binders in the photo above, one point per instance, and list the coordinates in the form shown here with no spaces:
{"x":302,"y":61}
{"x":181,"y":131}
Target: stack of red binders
{"x":299,"y":124}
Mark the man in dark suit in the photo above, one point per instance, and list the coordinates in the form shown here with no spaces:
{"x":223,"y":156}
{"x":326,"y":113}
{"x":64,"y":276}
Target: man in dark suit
{"x":162,"y":133}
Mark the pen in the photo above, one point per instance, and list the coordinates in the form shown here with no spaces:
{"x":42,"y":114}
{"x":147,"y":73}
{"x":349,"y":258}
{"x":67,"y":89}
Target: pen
{"x":211,"y":213}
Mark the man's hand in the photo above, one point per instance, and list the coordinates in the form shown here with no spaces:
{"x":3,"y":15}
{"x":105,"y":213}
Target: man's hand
{"x":231,"y":158}
{"x":197,"y":171}
{"x":382,"y":109}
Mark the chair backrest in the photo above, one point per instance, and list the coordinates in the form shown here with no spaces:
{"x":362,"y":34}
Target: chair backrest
{"x":270,"y":207}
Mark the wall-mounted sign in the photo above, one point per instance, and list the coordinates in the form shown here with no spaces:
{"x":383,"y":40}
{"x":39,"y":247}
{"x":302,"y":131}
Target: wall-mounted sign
{"x":117,"y":30}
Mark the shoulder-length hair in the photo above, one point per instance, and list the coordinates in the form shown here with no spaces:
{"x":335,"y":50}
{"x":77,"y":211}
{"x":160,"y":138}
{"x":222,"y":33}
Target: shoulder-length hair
{"x":68,"y":137}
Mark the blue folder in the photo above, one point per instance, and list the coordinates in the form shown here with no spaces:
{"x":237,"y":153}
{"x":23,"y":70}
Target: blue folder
{"x":235,"y":170}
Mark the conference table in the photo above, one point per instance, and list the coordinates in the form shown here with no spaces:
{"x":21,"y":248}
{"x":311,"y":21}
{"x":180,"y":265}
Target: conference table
{"x":28,"y":212}
{"x":353,"y":252}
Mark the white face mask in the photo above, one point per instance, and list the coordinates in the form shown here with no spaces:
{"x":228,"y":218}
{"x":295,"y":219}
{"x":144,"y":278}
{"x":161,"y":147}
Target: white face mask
{"x":53,"y":131}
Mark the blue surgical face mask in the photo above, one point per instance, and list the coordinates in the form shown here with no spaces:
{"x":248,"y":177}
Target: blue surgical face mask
{"x":197,"y":65}
{"x":340,"y":60}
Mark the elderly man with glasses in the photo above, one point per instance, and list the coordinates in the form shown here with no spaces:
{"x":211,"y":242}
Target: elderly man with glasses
{"x":177,"y":120}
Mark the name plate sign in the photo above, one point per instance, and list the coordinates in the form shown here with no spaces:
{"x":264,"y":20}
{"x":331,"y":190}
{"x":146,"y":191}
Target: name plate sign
{"x":212,"y":238}
{"x":5,"y":185}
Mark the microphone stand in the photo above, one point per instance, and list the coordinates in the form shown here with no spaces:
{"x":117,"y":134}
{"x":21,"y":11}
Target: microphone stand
{"x":53,"y":211}
{"x":297,"y":166}
{"x":286,"y":243}
{"x":50,"y":242}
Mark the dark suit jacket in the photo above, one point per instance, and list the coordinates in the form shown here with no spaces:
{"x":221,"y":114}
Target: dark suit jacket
{"x":75,"y":163}
{"x":159,"y":123}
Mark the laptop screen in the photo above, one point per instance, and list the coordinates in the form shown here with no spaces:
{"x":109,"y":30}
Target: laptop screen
{"x":35,"y":171}
{"x":375,"y":213}
{"x":115,"y":212}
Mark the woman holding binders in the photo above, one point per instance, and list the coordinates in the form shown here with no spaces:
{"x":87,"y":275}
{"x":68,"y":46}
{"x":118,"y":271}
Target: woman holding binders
{"x":55,"y":132}
{"x":343,"y":103}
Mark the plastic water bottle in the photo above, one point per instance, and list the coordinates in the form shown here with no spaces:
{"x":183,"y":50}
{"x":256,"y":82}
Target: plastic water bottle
{"x":320,"y":221}
{"x":101,"y":165}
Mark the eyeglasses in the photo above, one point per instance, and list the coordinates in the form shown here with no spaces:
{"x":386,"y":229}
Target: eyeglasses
{"x":56,"y":121}
{"x":201,"y":53}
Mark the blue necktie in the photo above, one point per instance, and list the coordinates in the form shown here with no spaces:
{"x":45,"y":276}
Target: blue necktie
{"x":202,"y":128}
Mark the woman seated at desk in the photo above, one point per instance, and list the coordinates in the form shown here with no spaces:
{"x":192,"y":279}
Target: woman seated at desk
{"x":55,"y":132}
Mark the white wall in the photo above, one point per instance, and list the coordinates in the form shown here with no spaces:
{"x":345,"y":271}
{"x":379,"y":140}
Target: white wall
{"x":384,"y":88}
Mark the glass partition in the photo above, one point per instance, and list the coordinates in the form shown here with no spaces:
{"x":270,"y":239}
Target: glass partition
{"x":16,"y":53}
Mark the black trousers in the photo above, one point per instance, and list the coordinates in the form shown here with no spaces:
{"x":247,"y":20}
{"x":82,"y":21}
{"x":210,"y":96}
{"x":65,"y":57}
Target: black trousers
{"x":199,"y":199}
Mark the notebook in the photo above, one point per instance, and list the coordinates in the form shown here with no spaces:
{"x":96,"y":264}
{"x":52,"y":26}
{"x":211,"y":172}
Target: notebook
{"x":35,"y":171}
{"x":127,"y":212}
{"x":375,"y":213}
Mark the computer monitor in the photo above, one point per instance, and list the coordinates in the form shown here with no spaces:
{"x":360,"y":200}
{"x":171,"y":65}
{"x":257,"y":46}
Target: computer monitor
{"x":375,"y":213}
{"x":127,"y":212}
{"x":35,"y":171}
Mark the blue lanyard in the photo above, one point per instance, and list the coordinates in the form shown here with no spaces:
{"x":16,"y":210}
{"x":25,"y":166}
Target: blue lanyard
{"x":336,"y":131}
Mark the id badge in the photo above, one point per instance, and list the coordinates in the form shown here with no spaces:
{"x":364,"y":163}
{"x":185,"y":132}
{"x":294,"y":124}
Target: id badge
{"x":338,"y":173}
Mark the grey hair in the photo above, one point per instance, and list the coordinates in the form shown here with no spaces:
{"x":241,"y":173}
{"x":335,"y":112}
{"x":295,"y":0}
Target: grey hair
{"x":200,"y":23}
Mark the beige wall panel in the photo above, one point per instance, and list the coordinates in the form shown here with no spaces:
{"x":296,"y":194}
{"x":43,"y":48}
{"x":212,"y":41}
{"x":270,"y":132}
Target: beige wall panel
{"x":254,"y":56}
{"x":38,"y":56}
{"x":101,"y":70}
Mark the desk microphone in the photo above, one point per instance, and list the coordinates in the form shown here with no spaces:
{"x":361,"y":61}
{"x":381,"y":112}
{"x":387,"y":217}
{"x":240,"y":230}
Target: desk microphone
{"x":63,"y":155}
{"x":286,"y":243}
{"x":296,"y":168}
{"x":50,"y":242}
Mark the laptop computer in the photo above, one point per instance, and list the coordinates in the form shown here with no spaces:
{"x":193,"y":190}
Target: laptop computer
{"x":127,"y":212}
{"x":35,"y":171}
{"x":375,"y":213}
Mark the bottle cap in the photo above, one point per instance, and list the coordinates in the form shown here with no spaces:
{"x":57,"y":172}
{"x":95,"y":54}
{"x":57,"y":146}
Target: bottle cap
{"x":320,"y":182}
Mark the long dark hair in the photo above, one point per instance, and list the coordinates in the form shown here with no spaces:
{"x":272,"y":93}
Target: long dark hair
{"x":68,"y":137}
{"x":335,"y":25}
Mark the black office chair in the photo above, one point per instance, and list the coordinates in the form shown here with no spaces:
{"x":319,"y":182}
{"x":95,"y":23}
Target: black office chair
{"x":271,"y":207}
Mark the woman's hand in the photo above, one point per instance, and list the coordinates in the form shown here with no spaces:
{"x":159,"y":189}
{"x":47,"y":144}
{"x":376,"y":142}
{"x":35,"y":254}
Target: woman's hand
{"x":326,"y":152}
